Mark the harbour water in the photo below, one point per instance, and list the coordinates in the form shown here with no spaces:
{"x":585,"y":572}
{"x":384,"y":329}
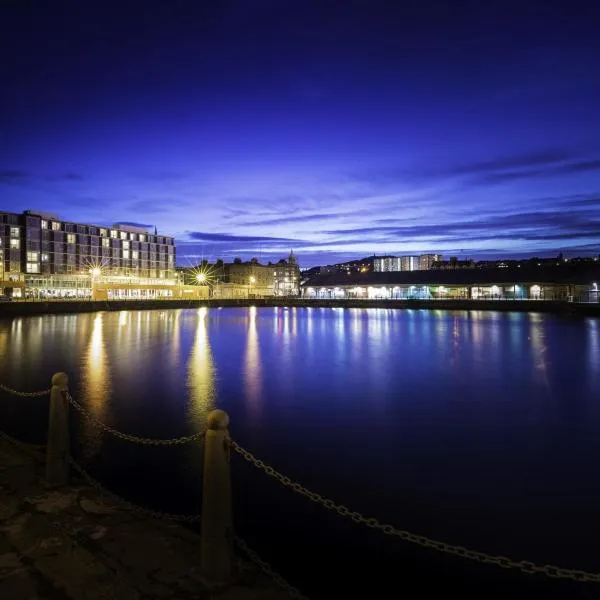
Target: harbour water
{"x":473,"y":427}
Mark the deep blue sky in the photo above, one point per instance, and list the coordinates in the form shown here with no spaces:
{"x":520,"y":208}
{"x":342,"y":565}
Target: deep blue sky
{"x":340,"y":129}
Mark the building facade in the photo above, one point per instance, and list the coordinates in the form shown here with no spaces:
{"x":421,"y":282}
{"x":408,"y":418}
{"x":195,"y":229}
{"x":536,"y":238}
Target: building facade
{"x":46,"y":257}
{"x":383,"y":264}
{"x":578,"y":283}
{"x":279,"y":279}
{"x":426,"y":261}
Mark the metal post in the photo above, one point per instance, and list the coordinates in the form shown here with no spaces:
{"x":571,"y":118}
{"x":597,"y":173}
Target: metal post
{"x":217,"y":531}
{"x":57,"y":450}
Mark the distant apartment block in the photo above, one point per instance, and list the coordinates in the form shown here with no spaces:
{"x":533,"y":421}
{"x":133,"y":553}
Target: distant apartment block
{"x":405,"y":263}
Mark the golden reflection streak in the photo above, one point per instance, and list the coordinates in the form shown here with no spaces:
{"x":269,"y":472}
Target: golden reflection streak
{"x":201,"y":373}
{"x":96,"y":382}
{"x":252,"y":365}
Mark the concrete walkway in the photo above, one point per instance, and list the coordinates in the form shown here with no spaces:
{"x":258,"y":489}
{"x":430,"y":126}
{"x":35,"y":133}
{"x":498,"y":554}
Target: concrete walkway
{"x":73,"y":544}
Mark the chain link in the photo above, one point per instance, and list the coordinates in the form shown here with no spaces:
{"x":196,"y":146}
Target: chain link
{"x":24,"y":394}
{"x":266,"y":568}
{"x":148,"y":512}
{"x":133,"y":438}
{"x":481,"y":557}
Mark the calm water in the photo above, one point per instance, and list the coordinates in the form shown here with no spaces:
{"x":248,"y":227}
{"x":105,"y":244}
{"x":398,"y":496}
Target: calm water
{"x":478,"y":428}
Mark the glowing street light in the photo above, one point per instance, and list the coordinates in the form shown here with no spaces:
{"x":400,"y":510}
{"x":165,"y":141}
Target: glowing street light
{"x":95,"y":272}
{"x":252,"y":279}
{"x":201,"y":277}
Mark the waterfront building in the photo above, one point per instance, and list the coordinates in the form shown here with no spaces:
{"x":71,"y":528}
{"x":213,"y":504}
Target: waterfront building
{"x":577,"y":282}
{"x":45,"y":257}
{"x":279,"y":279}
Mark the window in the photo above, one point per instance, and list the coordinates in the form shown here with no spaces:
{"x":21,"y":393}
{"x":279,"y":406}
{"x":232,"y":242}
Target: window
{"x":132,"y":236}
{"x":44,"y":257}
{"x":103,"y":232}
{"x":105,"y":242}
{"x":55,"y":226}
{"x":33,"y":268}
{"x":32,"y":256}
{"x":126,"y":254}
{"x":135,"y":254}
{"x":123,"y":235}
{"x":70,"y":238}
{"x":142,"y":237}
{"x":15,"y":244}
{"x":125,"y":245}
{"x":14,"y":232}
{"x":113,"y":234}
{"x":44,"y":224}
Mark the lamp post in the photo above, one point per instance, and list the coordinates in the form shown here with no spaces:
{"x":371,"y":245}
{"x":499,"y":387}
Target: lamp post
{"x":95,"y":273}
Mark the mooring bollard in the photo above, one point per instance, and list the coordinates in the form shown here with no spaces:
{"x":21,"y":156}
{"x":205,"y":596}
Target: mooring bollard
{"x":57,"y":450}
{"x":217,"y":528}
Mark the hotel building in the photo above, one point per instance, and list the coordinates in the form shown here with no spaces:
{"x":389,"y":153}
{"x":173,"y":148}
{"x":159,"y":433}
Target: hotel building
{"x":42,"y":256}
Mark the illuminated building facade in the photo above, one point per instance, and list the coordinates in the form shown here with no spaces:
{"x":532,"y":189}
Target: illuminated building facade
{"x":46,"y":257}
{"x":574,"y":283}
{"x":279,"y":279}
{"x":383,"y":264}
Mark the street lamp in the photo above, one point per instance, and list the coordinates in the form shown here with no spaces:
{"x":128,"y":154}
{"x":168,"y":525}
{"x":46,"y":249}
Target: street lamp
{"x":201,"y":277}
{"x":95,"y":272}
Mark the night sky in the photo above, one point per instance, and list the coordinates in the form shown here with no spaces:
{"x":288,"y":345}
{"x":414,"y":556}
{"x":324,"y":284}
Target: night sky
{"x":339,"y":129}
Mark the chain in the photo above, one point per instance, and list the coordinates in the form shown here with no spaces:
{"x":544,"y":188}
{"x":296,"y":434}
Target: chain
{"x":24,"y":394}
{"x":266,"y":568}
{"x":134,"y":438}
{"x":148,"y":512}
{"x":481,"y":557}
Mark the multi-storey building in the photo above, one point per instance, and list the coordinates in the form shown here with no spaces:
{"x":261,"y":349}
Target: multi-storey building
{"x":280,"y":279}
{"x":396,"y":263}
{"x":44,"y":256}
{"x":426,"y":261}
{"x":387,"y":263}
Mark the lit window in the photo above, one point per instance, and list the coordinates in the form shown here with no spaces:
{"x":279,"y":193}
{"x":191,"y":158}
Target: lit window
{"x":44,"y":224}
{"x":135,"y":254}
{"x":15,"y":244}
{"x":132,"y":236}
{"x":14,"y":232}
{"x":44,"y":258}
{"x":103,"y":232}
{"x":70,"y":238}
{"x":126,"y":254}
{"x":125,"y":245}
{"x":113,"y":234}
{"x":105,"y":242}
{"x":123,"y":235}
{"x":55,"y":226}
{"x":142,"y":237}
{"x":32,"y":256}
{"x":33,"y":268}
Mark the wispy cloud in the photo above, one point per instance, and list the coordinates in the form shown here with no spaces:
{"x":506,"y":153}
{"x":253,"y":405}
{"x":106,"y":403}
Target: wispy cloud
{"x":12,"y":176}
{"x":228,"y":237}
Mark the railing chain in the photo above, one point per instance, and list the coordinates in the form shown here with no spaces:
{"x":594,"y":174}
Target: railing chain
{"x":265,"y":567}
{"x":148,"y":512}
{"x":133,"y":438}
{"x":24,"y":394}
{"x":500,"y":561}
